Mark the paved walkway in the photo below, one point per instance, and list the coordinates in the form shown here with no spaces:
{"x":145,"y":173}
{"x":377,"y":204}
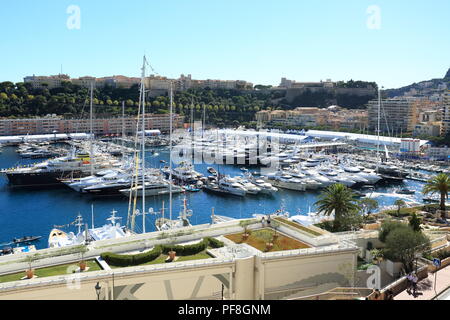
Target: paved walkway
{"x":425,"y":288}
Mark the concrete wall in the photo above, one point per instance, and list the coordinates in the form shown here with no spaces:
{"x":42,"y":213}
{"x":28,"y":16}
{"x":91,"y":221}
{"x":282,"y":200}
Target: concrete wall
{"x":252,"y":277}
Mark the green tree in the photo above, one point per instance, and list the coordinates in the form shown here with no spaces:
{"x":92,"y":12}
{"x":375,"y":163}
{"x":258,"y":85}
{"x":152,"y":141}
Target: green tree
{"x":414,"y":222}
{"x":387,"y":227}
{"x":439,"y":184}
{"x":368,"y":205}
{"x":339,"y":199}
{"x":404,"y":245}
{"x":399,"y":204}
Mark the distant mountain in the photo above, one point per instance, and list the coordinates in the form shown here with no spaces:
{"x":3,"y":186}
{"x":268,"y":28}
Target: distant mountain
{"x":426,"y":88}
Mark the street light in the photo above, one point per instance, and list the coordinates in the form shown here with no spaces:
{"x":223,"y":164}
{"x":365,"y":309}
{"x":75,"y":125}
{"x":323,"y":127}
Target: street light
{"x":97,"y":289}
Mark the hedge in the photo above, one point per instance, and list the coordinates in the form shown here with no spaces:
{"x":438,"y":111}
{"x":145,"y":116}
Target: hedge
{"x":125,"y":260}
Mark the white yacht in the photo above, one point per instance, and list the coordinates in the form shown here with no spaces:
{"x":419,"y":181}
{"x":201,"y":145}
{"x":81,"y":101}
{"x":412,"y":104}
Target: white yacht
{"x":337,"y":178}
{"x":232,"y":186}
{"x":266,"y":187}
{"x":185,"y":173}
{"x":250,"y":187}
{"x":286,"y":181}
{"x":152,"y":188}
{"x":112,"y":230}
{"x":164,"y":224}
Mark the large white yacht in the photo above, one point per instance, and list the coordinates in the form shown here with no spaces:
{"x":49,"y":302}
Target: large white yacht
{"x":286,"y":181}
{"x":111,"y":230}
{"x":152,"y":188}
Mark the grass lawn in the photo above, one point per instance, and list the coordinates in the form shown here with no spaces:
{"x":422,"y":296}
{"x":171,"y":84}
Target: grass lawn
{"x":162,"y":259}
{"x":259,"y":238}
{"x":50,"y":271}
{"x":299,"y":226}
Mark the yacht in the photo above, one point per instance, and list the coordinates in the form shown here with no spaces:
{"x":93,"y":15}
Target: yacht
{"x":184,"y":173}
{"x":337,"y":178}
{"x":104,"y":176}
{"x":152,"y":188}
{"x":164,"y":224}
{"x":286,"y":181}
{"x":250,"y":187}
{"x":112,"y":230}
{"x":51,"y":172}
{"x":266,"y":187}
{"x":232,"y":186}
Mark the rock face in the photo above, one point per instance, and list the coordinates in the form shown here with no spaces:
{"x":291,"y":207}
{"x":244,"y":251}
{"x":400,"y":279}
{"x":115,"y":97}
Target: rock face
{"x":447,"y":75}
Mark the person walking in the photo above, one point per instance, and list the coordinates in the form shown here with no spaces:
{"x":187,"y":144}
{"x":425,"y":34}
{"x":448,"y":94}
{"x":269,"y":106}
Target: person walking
{"x":409,"y":283}
{"x":414,"y":283}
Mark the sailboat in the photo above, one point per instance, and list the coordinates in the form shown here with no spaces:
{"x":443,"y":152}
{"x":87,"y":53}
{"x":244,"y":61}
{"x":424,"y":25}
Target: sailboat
{"x":163,"y":224}
{"x":182,"y":221}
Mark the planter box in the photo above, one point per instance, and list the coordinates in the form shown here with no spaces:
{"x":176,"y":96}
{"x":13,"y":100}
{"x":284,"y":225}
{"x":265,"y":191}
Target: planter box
{"x":392,"y":268}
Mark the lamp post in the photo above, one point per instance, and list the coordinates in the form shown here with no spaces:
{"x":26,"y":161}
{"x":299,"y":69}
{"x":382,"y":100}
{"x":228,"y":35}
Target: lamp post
{"x":97,"y":290}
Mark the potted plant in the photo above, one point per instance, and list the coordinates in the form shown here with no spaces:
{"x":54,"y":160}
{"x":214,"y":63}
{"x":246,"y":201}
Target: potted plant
{"x":275,"y":226}
{"x":172,"y":253}
{"x":244,"y":224}
{"x":30,"y":271}
{"x":83,"y":249}
{"x":269,"y":246}
{"x":377,"y":255}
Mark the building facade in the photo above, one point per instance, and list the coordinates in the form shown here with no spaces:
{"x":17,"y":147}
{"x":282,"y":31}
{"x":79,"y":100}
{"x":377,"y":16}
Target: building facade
{"x":49,"y":82}
{"x":396,"y":115}
{"x":101,"y":126}
{"x":445,"y":129}
{"x":156,"y":84}
{"x":334,"y":117}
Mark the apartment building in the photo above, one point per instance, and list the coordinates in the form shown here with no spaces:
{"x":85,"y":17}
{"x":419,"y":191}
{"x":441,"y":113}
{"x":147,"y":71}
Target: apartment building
{"x":445,"y":129}
{"x":106,"y":126}
{"x":397,"y":115}
{"x":333,"y":116}
{"x":432,"y":129}
{"x":49,"y":82}
{"x":155,"y":84}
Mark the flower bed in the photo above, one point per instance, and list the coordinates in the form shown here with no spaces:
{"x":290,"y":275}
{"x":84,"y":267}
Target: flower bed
{"x":51,"y":271}
{"x":259,"y":238}
{"x":125,"y":260}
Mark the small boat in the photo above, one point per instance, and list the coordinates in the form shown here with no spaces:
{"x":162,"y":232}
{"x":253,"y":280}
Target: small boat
{"x":26,"y":239}
{"x":5,"y":251}
{"x":212,"y":171}
{"x":406,"y":191}
{"x":191,"y":188}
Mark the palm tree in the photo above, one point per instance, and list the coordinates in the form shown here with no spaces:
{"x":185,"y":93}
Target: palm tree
{"x":339,"y":199}
{"x":439,"y":184}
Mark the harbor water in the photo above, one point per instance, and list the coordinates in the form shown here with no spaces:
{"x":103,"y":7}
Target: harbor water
{"x":36,"y":211}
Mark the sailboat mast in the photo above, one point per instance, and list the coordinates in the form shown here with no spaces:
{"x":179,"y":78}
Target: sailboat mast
{"x":204,"y":119}
{"x":378,"y":124}
{"x":123,"y":130}
{"x":143,"y":144}
{"x":170,"y":151}
{"x":91,"y":131}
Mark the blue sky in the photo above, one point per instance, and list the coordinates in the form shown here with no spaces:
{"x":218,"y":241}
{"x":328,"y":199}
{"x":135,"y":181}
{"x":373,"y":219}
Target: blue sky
{"x":258,"y":41}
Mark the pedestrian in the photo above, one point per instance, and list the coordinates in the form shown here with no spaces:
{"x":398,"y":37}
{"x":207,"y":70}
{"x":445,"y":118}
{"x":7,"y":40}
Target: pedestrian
{"x":414,"y":283}
{"x":409,"y":283}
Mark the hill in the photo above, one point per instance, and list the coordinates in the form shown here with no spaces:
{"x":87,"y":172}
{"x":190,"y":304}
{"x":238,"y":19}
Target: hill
{"x":426,"y":88}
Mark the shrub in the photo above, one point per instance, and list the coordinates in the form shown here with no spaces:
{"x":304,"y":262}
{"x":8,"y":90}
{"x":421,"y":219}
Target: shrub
{"x":124,"y":260}
{"x":214,"y":243}
{"x":387,"y":227}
